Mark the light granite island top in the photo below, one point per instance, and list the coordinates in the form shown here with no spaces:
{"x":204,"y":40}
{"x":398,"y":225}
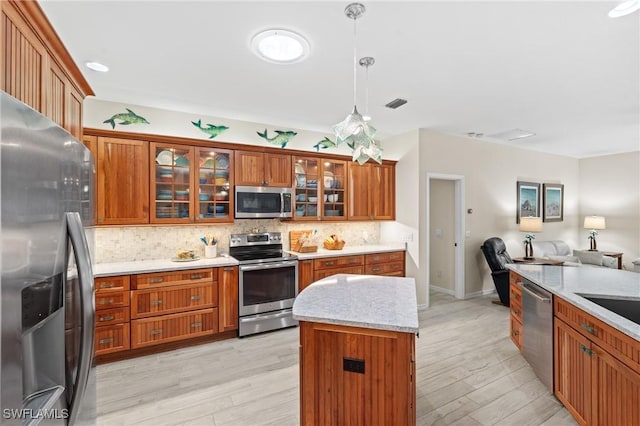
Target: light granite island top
{"x":378,"y":302}
{"x":571,"y":282}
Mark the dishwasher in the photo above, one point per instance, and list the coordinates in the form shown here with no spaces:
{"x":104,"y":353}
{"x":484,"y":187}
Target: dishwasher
{"x":537,"y":331}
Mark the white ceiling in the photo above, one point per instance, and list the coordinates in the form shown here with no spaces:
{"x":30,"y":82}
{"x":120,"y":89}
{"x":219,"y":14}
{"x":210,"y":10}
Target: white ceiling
{"x":563,"y":70}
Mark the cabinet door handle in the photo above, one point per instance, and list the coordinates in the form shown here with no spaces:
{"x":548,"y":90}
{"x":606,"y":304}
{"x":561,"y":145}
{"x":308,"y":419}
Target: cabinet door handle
{"x":586,"y":350}
{"x":228,"y":268}
{"x":376,"y":258}
{"x":105,"y":341}
{"x":106,"y":318}
{"x":515,"y":312}
{"x":196,"y":324}
{"x":156,"y":280}
{"x":328,"y":263}
{"x":196,"y":276}
{"x":156,"y":331}
{"x":107,"y":285}
{"x":588,"y":328}
{"x":196,"y":297}
{"x":515,"y":332}
{"x":156,"y":302}
{"x":353,"y":261}
{"x":106,"y":301}
{"x":376,"y":269}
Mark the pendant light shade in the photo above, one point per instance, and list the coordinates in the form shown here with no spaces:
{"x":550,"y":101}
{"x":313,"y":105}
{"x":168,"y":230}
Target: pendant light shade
{"x":354,"y":130}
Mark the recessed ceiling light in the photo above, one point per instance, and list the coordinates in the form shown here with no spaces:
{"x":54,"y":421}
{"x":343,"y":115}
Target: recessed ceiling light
{"x":280,"y":46}
{"x":624,"y":8}
{"x":97,"y":66}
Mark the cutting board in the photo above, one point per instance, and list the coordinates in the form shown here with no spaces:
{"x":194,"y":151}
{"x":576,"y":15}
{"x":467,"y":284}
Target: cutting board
{"x":294,"y":241}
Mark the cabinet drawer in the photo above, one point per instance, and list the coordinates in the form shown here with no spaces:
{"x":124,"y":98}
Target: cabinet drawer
{"x":384,"y":268}
{"x":334,"y":262}
{"x":111,"y":338}
{"x":106,"y":284}
{"x":515,"y":293}
{"x":318,"y":275}
{"x":613,"y":341}
{"x":516,"y":309}
{"x":114,"y":299}
{"x":169,"y":328}
{"x":515,"y":278}
{"x":165,"y":279}
{"x":395,"y":256}
{"x":516,"y":332}
{"x":169,"y":300}
{"x":112,"y":316}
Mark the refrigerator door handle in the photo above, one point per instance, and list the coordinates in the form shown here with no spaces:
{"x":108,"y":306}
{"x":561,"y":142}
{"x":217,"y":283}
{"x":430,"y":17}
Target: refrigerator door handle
{"x":85,"y":278}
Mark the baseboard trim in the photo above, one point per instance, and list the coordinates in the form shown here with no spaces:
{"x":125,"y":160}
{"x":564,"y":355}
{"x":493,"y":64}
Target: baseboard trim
{"x":479,"y":293}
{"x":443,"y":290}
{"x":422,"y":307}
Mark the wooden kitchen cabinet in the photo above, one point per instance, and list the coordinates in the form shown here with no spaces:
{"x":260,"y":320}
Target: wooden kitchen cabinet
{"x":170,"y":328}
{"x":172,"y":188}
{"x":515,"y":308}
{"x":169,"y":300}
{"x":228,"y":316}
{"x":389,"y":264}
{"x":36,"y":67}
{"x":112,"y":314}
{"x":214,"y":185}
{"x":305,"y":274}
{"x":122,"y":181}
{"x":255,"y":168}
{"x":596,"y":368}
{"x":371,"y":192}
{"x":334,"y":190}
{"x":327,"y":266}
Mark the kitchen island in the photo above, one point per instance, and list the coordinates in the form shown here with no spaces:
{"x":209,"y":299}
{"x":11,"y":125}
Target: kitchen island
{"x":596,"y":338}
{"x":357,"y":350}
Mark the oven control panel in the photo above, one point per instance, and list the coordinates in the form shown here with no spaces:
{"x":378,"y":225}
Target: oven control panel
{"x":264,"y":238}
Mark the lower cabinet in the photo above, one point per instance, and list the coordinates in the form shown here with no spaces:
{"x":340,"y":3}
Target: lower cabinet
{"x":515,"y":308}
{"x":388,"y":263}
{"x":143,"y":310}
{"x":597,"y":368}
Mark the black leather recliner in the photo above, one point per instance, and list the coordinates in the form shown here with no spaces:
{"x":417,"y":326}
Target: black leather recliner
{"x":497,"y":257}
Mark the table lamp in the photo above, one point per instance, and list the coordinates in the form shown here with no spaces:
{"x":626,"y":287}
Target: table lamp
{"x":594,"y":223}
{"x":530,"y":225}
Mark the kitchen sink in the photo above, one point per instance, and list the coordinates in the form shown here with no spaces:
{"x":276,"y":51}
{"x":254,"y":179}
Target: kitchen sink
{"x":628,"y":308}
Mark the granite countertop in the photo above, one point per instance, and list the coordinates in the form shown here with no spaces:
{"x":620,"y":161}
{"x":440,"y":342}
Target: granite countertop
{"x":383,"y":303}
{"x":351,"y":250}
{"x":144,"y":266}
{"x":568,"y":282}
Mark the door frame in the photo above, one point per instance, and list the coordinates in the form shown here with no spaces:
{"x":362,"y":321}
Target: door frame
{"x":459,"y":225}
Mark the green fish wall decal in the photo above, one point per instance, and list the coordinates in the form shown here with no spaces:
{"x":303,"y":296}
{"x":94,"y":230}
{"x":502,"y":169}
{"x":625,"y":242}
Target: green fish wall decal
{"x":211,"y":130}
{"x":281,"y":138}
{"x":129,"y":117}
{"x":324,"y":144}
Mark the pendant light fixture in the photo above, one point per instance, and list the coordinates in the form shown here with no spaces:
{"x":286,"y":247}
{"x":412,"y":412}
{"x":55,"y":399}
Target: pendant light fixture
{"x":354,"y":130}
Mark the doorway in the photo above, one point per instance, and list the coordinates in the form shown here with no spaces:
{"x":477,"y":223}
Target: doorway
{"x":445,"y":234}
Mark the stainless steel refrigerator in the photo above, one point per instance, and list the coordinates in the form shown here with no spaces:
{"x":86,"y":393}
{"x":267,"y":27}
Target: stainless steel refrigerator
{"x":46,"y":287}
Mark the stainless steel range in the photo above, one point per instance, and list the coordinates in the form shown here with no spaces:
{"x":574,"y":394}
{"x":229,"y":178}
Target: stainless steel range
{"x":267,"y":284}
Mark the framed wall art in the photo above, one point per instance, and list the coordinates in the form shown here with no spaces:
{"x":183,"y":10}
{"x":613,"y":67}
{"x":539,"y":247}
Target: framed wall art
{"x":553,"y":202}
{"x":528,"y":200}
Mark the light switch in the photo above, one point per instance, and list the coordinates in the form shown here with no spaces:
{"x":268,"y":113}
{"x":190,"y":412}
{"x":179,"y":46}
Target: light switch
{"x":439,"y":233}
{"x":467,"y":234}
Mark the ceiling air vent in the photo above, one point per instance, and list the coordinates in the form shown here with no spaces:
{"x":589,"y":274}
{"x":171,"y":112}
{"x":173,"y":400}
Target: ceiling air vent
{"x":396,"y":103}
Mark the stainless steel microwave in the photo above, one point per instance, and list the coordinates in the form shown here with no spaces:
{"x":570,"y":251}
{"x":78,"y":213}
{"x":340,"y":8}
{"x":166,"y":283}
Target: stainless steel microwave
{"x":255,"y":202}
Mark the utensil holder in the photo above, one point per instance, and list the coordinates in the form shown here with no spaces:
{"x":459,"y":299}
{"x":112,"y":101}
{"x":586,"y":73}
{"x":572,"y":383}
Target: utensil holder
{"x":210,"y":252}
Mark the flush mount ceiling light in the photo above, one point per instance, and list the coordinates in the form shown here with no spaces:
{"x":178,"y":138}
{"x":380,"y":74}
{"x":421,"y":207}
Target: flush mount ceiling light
{"x":97,"y":66}
{"x":280,"y":46}
{"x":354,"y":130}
{"x":512,"y":135}
{"x":624,"y":8}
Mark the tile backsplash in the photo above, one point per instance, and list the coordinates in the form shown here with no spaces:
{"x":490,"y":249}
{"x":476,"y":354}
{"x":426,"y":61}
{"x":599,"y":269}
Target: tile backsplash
{"x":128,"y":243}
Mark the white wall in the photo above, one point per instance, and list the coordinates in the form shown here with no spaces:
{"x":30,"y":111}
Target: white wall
{"x":609,"y":187}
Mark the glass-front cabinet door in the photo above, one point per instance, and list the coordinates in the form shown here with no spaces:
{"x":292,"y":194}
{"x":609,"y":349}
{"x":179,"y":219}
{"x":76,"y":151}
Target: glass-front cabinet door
{"x":214,"y":183}
{"x":334,"y":182}
{"x":171,"y":183}
{"x":306,"y":188}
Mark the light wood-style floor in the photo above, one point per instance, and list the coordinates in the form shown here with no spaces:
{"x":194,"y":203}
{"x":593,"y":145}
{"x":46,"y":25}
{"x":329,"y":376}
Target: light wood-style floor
{"x":468,"y":373}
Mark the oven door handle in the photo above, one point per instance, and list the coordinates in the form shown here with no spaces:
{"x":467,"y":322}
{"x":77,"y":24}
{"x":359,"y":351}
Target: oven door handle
{"x":272,"y":265}
{"x":262,"y":317}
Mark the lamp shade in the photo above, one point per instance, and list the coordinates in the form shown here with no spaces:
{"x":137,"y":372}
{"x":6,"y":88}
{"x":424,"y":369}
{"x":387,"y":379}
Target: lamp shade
{"x":594,"y":222}
{"x":531,"y":224}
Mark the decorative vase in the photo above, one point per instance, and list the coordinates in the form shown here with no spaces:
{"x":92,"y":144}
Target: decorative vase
{"x":210,"y":251}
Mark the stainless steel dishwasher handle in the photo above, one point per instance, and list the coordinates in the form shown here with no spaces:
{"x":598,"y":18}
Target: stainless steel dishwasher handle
{"x":535,"y":294}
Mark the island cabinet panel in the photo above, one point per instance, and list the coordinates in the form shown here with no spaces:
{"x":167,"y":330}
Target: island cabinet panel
{"x":228,"y":297}
{"x":123,"y":181}
{"x":356,"y":376}
{"x":572,"y":370}
{"x":173,"y":327}
{"x":254,"y":168}
{"x":167,"y":300}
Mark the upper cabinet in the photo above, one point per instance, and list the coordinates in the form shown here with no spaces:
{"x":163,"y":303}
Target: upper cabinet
{"x":122,"y":168}
{"x":214,"y":183}
{"x":371,"y":192}
{"x":334,"y":189}
{"x":320,"y":188}
{"x":36,"y":68}
{"x":254,"y":168}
